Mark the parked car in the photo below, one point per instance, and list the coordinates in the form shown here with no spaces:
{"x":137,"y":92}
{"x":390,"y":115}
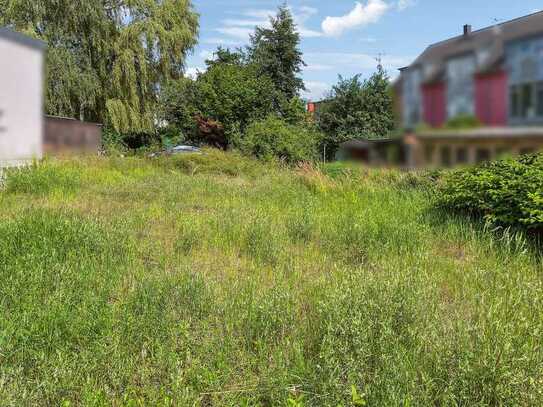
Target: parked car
{"x":177,"y":150}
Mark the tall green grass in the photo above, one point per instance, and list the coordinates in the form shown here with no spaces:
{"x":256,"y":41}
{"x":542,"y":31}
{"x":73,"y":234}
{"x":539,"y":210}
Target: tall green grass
{"x":217,"y":280}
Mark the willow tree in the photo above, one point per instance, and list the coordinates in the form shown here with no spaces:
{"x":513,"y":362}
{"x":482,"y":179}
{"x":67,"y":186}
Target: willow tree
{"x":107,"y":59}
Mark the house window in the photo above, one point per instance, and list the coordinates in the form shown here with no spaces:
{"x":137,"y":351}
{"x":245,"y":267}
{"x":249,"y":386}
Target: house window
{"x":412,"y":97}
{"x":527,"y":100}
{"x":446,"y":156}
{"x":540,"y":99}
{"x":482,"y":154}
{"x":515,"y":101}
{"x":460,"y":85}
{"x":527,"y":150}
{"x":461,"y":155}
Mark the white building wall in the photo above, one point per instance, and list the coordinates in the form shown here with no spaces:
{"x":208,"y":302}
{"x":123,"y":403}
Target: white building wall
{"x":21,"y":102}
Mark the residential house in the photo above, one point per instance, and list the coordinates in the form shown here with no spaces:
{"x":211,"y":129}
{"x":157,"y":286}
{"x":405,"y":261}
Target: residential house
{"x":494,"y":74}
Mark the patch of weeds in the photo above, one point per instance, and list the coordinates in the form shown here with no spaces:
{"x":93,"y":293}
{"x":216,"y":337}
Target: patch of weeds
{"x":42,"y":179}
{"x":190,"y":235}
{"x":263,"y":241}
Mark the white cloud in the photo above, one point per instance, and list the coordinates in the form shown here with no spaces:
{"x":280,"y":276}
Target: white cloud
{"x":206,"y":54}
{"x":241,"y":28}
{"x":403,"y":4}
{"x":360,"y":16}
{"x":316,"y":90}
{"x":301,"y":16}
{"x":221,"y":41}
{"x":307,"y":10}
{"x":236,"y":31}
{"x":192,"y":72}
{"x":308,"y":33}
{"x":233,"y":22}
{"x":261,"y":14}
{"x":239,"y":33}
{"x":316,"y":67}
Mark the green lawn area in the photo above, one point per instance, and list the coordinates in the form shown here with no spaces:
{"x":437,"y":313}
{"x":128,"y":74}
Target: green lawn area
{"x":217,"y":280}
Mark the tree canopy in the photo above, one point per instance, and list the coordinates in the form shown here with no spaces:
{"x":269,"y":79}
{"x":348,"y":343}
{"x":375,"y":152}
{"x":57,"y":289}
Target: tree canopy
{"x":276,"y":51}
{"x":240,"y":87}
{"x":107,"y":59}
{"x":227,"y":96}
{"x":357,"y":109}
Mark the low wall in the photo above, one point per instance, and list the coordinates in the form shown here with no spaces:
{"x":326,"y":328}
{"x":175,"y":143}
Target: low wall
{"x":70,"y":136}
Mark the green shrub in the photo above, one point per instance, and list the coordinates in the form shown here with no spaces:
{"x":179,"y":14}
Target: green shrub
{"x":356,"y":108}
{"x":112,"y":142}
{"x":213,"y":161}
{"x":507,"y":192}
{"x":463,"y":122}
{"x":274,"y":138}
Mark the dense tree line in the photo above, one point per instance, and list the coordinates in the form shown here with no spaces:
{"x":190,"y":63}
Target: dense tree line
{"x":227,"y":104}
{"x":107,"y":59}
{"x":122,"y":64}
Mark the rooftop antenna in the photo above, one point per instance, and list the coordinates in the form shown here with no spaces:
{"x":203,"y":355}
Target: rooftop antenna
{"x":379,"y":60}
{"x":496,"y":26}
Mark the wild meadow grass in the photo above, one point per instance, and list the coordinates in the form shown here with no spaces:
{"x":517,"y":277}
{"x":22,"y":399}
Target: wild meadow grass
{"x":216,"y":280}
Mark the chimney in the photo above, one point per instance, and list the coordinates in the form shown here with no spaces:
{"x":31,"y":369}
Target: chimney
{"x":467,"y":30}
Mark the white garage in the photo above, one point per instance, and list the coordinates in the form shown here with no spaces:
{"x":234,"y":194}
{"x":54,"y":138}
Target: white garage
{"x":21,"y":98}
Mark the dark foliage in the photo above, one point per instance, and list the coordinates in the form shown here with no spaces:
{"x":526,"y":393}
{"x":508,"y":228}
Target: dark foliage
{"x":107,"y":60}
{"x":357,"y":109}
{"x":211,"y":132}
{"x":506,"y":192}
{"x":228,"y":96}
{"x":276,"y":52}
{"x":273,"y":137}
{"x":258,"y":86}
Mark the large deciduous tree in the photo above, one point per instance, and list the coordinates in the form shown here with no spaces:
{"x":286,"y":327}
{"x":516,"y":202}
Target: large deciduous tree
{"x":226,"y":97}
{"x":107,"y":59}
{"x":357,"y":109}
{"x":242,"y":87}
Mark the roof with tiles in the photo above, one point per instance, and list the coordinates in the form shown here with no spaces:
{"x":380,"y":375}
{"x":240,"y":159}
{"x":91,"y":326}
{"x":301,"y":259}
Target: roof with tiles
{"x":490,"y":40}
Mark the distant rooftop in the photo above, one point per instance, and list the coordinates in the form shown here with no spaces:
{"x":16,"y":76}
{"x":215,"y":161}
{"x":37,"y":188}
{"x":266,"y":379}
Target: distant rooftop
{"x":492,"y":39}
{"x":22,"y":39}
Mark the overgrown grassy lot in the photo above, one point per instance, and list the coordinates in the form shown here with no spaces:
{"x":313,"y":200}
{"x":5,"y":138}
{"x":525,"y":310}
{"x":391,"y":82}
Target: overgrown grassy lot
{"x":217,"y":280}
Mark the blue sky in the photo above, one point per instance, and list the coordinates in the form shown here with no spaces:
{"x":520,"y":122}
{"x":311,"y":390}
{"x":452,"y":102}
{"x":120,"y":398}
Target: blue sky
{"x":345,"y":36}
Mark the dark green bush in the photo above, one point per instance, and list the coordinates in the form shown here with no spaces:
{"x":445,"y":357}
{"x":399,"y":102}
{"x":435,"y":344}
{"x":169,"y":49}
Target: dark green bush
{"x":274,"y":138}
{"x":507,"y":192}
